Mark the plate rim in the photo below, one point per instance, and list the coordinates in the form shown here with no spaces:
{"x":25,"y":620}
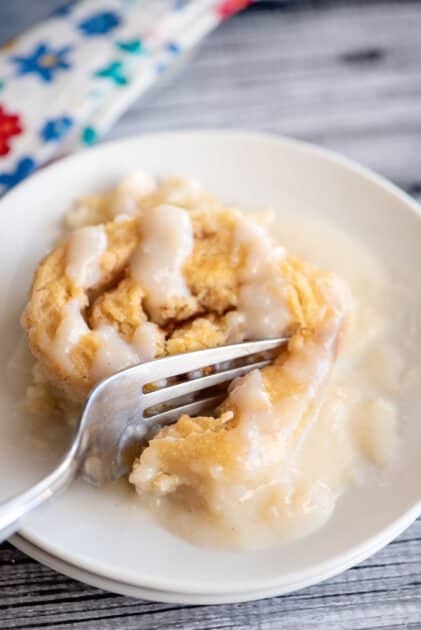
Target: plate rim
{"x":128,"y":589}
{"x":271,"y":138}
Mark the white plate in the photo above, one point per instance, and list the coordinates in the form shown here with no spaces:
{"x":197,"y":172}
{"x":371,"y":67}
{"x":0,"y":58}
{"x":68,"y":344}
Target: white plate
{"x":104,"y":532}
{"x":174,"y":597}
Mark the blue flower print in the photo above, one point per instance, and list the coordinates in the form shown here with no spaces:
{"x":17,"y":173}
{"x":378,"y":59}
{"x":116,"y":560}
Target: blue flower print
{"x":100,"y":23}
{"x":115,"y":72}
{"x":173,"y":48}
{"x":24,"y":167}
{"x":56,"y":128}
{"x":89,"y":136}
{"x":43,"y":61}
{"x":131,"y":46}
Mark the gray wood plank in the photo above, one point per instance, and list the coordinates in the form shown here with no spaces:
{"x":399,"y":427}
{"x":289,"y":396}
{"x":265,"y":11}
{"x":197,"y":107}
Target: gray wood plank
{"x":382,"y":592}
{"x":346,"y":75}
{"x":18,"y":15}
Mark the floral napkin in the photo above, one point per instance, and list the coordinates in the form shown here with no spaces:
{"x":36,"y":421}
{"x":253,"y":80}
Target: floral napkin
{"x":66,"y":81}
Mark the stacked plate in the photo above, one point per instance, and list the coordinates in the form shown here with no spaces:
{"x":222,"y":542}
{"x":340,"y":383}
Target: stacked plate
{"x":103,"y":537}
{"x":191,"y":596}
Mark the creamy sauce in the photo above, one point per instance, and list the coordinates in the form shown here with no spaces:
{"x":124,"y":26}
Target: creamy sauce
{"x":145,"y":340}
{"x":115,"y":353}
{"x":262,"y":309}
{"x":157,"y":264}
{"x":353,"y":434}
{"x":70,"y":331}
{"x":85,"y":248}
{"x":262,"y":254}
{"x":258,"y":417}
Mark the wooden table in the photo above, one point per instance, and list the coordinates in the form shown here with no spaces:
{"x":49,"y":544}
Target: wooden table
{"x":346,"y":75}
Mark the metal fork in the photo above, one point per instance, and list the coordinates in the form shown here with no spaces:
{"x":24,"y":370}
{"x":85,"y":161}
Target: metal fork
{"x":119,"y":416}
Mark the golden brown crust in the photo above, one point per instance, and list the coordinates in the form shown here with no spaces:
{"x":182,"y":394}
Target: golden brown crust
{"x":211,"y":271}
{"x":121,"y":306}
{"x":198,"y":334}
{"x":212,"y":274}
{"x":52,"y":290}
{"x":196,"y":457}
{"x":123,"y":236}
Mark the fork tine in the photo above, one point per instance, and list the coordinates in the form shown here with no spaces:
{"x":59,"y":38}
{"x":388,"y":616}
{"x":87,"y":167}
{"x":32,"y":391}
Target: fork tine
{"x":188,"y":387}
{"x":189,"y":361}
{"x":194,"y":408}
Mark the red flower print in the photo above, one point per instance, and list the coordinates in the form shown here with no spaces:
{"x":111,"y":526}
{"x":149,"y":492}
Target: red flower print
{"x":228,"y":7}
{"x":9,"y":126}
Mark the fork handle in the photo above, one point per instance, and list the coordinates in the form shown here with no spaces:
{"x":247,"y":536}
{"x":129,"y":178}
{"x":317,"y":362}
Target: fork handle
{"x":13,"y":510}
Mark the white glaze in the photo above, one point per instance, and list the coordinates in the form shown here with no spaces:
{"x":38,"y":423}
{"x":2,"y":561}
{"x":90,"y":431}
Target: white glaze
{"x":262,"y":309}
{"x":70,"y":331}
{"x":263,"y":255}
{"x":157,"y":264}
{"x":85,"y":248}
{"x":114,"y":353}
{"x":145,"y":341}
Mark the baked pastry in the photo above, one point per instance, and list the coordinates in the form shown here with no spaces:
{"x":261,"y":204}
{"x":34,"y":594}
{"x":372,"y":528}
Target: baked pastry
{"x":155,"y":269}
{"x":101,"y":300}
{"x":248,"y":447}
{"x":150,"y":269}
{"x":163,"y":280}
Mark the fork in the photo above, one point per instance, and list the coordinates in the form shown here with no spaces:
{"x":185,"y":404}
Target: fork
{"x":120,"y":416}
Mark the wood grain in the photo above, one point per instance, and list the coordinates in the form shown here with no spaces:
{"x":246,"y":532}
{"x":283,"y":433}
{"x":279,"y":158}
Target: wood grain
{"x":346,"y":75}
